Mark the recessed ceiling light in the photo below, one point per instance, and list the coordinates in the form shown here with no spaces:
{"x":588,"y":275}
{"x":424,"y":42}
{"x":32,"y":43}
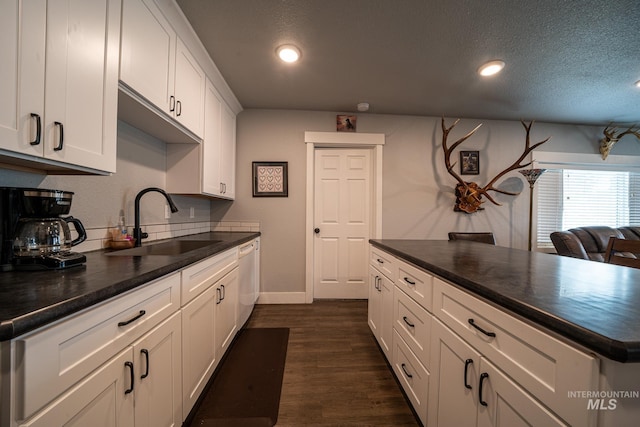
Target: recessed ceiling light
{"x":638,"y":83}
{"x":491,"y":68}
{"x":288,"y":53}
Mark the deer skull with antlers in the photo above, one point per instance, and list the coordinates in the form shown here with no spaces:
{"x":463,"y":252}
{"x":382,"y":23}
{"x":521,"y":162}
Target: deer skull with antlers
{"x":610,"y":138}
{"x":469,"y":194}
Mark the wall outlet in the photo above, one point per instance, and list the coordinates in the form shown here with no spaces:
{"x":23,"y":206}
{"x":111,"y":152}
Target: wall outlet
{"x":167,"y":212}
{"x":192,"y":212}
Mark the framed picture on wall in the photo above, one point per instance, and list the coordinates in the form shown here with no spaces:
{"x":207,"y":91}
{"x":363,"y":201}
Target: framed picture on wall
{"x":469,"y":162}
{"x":346,"y":123}
{"x":270,"y":179}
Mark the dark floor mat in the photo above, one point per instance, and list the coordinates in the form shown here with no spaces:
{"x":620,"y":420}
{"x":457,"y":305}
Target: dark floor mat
{"x":246,"y":389}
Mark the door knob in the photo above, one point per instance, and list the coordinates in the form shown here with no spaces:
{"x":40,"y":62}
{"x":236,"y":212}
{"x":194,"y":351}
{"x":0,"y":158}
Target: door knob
{"x":316,"y":230}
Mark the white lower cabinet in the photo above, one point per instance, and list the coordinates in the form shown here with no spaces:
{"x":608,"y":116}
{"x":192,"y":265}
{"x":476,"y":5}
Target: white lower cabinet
{"x":464,"y":362}
{"x":157,"y":372}
{"x":198,"y":347}
{"x":381,"y":309}
{"x":412,"y":375}
{"x":209,"y":324}
{"x":140,"y":359}
{"x":98,"y":400}
{"x":147,"y":373}
{"x":468,"y":390}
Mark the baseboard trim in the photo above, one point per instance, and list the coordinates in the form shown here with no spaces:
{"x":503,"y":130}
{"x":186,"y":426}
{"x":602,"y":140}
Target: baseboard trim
{"x":281,"y":298}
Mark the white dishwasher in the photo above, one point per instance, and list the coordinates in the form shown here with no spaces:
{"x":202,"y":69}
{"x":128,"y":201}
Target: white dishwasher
{"x":248,"y":260}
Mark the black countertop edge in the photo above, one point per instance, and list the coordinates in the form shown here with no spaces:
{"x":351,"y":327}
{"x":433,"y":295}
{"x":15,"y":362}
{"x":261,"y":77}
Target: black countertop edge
{"x":41,"y":316}
{"x":610,"y":348}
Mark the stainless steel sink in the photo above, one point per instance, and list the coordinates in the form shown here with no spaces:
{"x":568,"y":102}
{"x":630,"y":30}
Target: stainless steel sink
{"x":171,"y":247}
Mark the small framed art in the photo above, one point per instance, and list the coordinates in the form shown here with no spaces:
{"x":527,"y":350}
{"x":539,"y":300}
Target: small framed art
{"x":270,"y":179}
{"x":469,"y":162}
{"x":346,"y":123}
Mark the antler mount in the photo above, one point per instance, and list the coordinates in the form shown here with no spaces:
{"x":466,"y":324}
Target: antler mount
{"x":469,"y":194}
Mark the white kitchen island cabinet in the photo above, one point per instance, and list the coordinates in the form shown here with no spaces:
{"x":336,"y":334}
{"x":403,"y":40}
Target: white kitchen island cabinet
{"x":60,"y":62}
{"x":382,"y":274}
{"x":157,"y":66}
{"x":505,"y":348}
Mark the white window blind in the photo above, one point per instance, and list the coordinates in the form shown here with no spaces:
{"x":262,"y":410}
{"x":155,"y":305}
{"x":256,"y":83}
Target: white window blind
{"x":577,"y":198}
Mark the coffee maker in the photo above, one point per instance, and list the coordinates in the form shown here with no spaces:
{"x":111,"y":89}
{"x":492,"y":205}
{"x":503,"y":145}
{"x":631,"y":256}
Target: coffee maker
{"x":34,"y":236}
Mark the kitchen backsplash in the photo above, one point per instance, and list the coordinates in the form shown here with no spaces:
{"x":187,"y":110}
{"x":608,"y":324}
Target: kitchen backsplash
{"x":98,"y":238}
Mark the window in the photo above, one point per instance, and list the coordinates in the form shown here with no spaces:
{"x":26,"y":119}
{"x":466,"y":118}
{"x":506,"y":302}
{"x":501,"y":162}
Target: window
{"x":570,"y":198}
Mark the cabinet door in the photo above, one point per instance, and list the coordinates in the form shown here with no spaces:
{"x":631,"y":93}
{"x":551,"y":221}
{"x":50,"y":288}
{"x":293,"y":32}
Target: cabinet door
{"x":198,"y":346}
{"x":226,"y":311}
{"x":508,"y":405}
{"x":211,"y":145}
{"x":81,"y":82}
{"x":228,"y":152}
{"x":158,"y":363}
{"x":189,"y":90}
{"x":148,"y":52}
{"x":100,"y":400}
{"x":22,"y":31}
{"x":455,"y":370}
{"x":375,"y":302}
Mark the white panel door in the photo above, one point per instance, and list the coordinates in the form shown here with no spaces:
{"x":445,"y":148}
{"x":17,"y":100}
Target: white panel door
{"x":342,"y":206}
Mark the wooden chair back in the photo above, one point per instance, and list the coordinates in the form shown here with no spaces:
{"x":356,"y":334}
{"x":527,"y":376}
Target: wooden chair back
{"x":623,"y":252}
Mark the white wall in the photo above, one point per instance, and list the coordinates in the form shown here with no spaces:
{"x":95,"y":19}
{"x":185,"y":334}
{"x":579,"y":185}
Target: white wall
{"x":418,"y":193}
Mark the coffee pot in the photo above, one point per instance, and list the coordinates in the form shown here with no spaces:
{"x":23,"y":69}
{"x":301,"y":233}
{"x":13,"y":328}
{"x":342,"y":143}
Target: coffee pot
{"x":46,"y":236}
{"x":35,"y":235}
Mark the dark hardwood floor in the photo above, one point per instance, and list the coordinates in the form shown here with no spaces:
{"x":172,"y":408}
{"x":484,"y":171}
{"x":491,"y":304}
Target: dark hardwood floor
{"x":335,"y":374}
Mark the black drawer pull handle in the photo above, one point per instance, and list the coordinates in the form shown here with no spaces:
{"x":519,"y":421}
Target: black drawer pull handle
{"x":133,"y":319}
{"x":403,"y":366}
{"x":411,"y":325}
{"x":380,"y":261}
{"x":172,"y":103}
{"x":224,"y":292}
{"x":61,"y":140}
{"x":38,"y":129}
{"x":130,"y":366}
{"x":146,"y":355}
{"x":466,"y":368}
{"x":178,"y":108}
{"x":218,"y":296}
{"x":489,"y":334}
{"x":406,"y":279}
{"x":483,"y":377}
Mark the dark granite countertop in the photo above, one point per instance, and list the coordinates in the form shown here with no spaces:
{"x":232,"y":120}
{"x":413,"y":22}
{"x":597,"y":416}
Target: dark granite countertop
{"x":594,"y":304}
{"x":31,"y":299}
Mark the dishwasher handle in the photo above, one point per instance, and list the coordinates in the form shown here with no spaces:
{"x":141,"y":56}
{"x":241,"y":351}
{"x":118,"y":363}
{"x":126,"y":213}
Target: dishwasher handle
{"x":245,"y":250}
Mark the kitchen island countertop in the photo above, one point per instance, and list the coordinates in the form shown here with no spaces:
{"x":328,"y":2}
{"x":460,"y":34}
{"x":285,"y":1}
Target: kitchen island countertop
{"x":593,"y":304}
{"x":32,"y":299}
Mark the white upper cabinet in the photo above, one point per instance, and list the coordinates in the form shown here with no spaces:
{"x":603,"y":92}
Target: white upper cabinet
{"x":207,"y":168}
{"x":157,"y":67}
{"x":61,"y":114}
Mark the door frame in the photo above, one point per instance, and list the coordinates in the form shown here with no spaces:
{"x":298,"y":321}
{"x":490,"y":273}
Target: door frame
{"x":314,"y":140}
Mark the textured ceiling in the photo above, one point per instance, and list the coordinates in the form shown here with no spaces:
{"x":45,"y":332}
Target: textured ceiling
{"x":568,"y":61}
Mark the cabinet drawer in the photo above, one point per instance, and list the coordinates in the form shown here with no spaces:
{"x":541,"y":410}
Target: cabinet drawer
{"x":385,"y":263}
{"x":198,"y":277}
{"x":51,"y":360}
{"x":413,"y":324}
{"x":413,"y":377}
{"x":546,"y":367}
{"x":418,"y":284}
